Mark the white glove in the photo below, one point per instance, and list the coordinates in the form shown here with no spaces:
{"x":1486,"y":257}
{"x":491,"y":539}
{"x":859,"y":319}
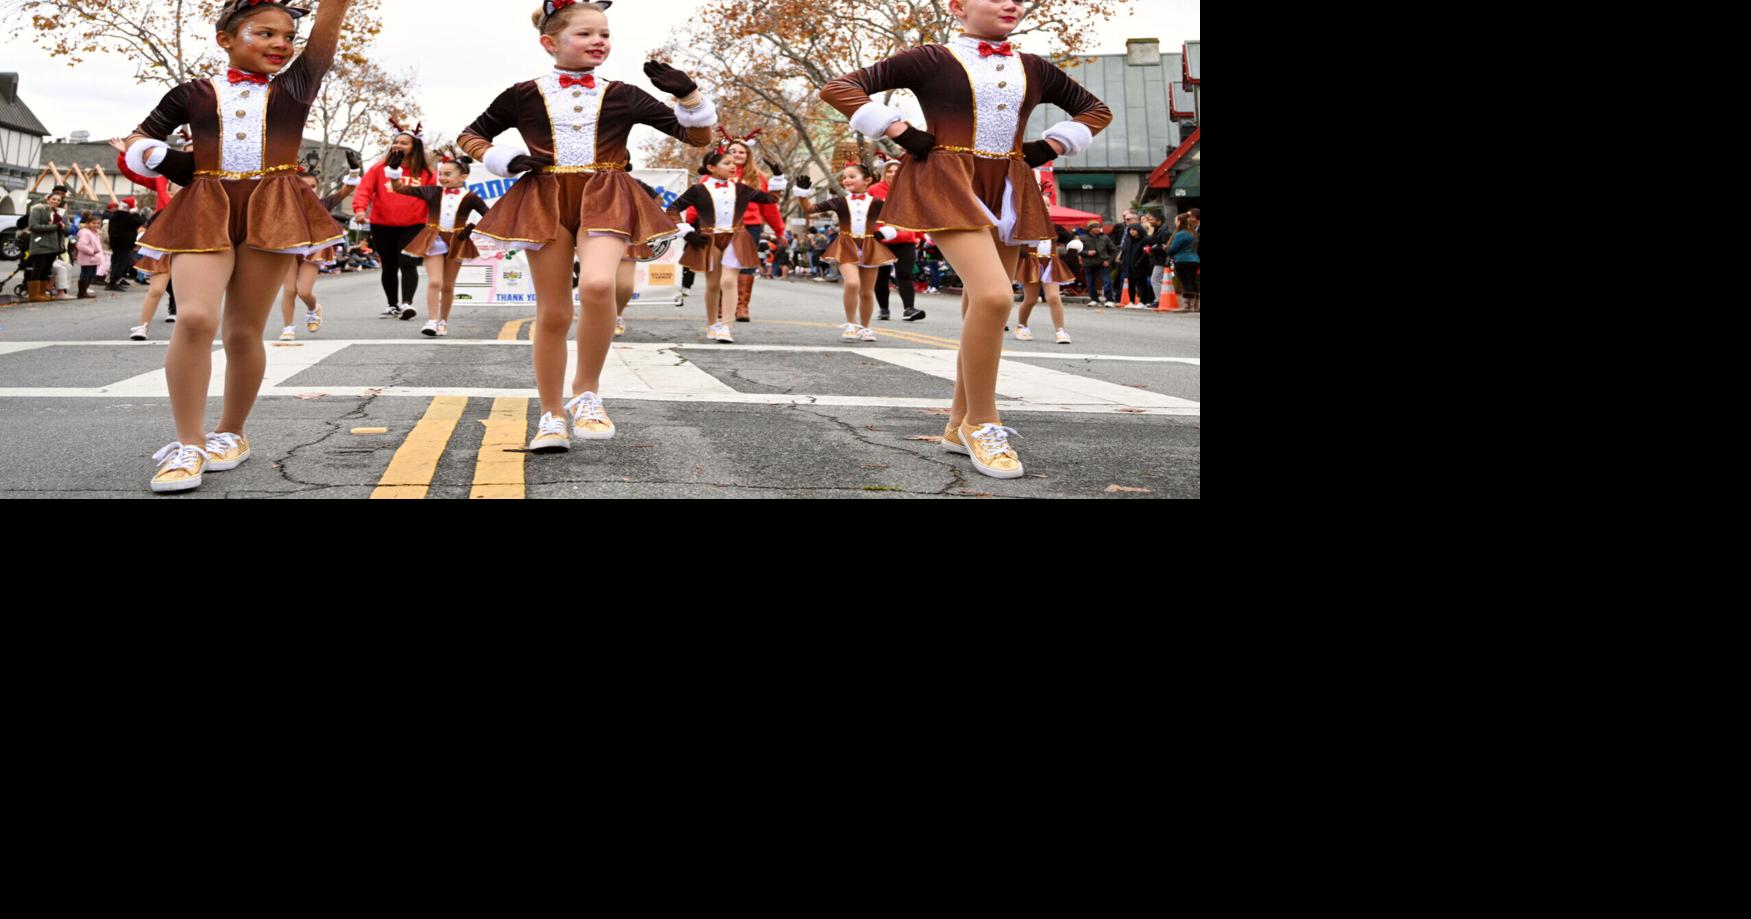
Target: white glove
{"x":887,"y":234}
{"x":1075,"y":245}
{"x":391,"y":172}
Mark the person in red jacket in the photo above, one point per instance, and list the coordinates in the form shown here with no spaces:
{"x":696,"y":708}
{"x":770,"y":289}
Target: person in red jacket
{"x":396,"y":219}
{"x":747,"y":173}
{"x":905,"y":248}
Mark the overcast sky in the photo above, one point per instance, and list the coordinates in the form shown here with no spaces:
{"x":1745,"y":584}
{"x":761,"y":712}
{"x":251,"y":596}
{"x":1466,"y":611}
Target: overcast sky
{"x":463,"y":56}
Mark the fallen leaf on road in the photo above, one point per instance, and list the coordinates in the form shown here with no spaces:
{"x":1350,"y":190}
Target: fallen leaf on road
{"x":871,"y":427}
{"x":1136,"y":385}
{"x":927,"y":438}
{"x":1135,"y":411}
{"x":311,"y":395}
{"x":975,"y":494}
{"x":880,"y":488}
{"x":373,"y":392}
{"x":934,"y":411}
{"x":1033,"y":475}
{"x":699,"y":470}
{"x":875,"y":465}
{"x":1116,"y":489}
{"x":642,"y":446}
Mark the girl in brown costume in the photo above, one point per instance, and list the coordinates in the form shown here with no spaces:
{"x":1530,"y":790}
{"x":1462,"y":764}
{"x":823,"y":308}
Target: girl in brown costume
{"x":858,"y":250}
{"x":239,"y":221}
{"x":444,"y":243}
{"x":720,"y":248}
{"x":970,"y":184}
{"x":301,"y":284}
{"x":581,"y":200}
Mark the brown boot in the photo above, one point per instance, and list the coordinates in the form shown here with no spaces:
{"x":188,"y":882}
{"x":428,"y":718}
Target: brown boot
{"x":39,"y":292}
{"x":744,"y":290}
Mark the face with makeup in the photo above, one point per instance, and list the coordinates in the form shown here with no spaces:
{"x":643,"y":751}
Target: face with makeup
{"x":854,"y":180}
{"x":988,"y":19}
{"x":724,"y":168}
{"x":889,"y":171}
{"x":402,"y":142}
{"x":451,"y":175}
{"x":582,"y":43}
{"x":262,"y":42}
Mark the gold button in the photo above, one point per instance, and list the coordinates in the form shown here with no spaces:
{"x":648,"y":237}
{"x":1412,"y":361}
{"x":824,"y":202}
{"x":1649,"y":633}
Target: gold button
{"x":576,"y":93}
{"x":246,"y":94}
{"x":242,"y":135}
{"x":577,"y":127}
{"x":1000,"y":68}
{"x":1002,"y":105}
{"x":242,"y":114}
{"x":1003,"y":85}
{"x":577,"y":108}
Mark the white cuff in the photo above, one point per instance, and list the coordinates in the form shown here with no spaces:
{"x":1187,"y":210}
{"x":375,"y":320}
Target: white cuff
{"x":391,"y":172}
{"x":147,"y":149}
{"x":682,"y":229}
{"x":702,"y":117}
{"x":874,"y":118}
{"x":887,"y":234}
{"x":777,"y":185}
{"x":350,"y":180}
{"x":1074,"y":135}
{"x":498,"y":159}
{"x":805,"y":192}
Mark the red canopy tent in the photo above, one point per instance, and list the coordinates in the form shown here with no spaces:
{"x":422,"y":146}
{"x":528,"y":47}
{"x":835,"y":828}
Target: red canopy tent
{"x":1071,"y":217}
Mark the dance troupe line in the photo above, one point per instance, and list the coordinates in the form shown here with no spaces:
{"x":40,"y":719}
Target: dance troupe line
{"x":247,"y":224}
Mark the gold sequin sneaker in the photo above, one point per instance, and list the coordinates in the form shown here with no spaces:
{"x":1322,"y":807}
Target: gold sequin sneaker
{"x":1023,"y":333}
{"x":288,"y":334}
{"x":313,"y":318}
{"x":1063,"y":337}
{"x":721,"y":332}
{"x":849,"y":333}
{"x":551,"y":435}
{"x":864,"y":333}
{"x":179,"y":467}
{"x":589,"y":420}
{"x":951,"y":440}
{"x":988,"y":445}
{"x":619,"y":326}
{"x":226,"y":451}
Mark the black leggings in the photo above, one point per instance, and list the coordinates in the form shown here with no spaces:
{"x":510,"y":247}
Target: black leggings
{"x":902,"y":267}
{"x":389,"y":241}
{"x":1185,"y":277}
{"x":39,"y":267}
{"x":1141,"y":290}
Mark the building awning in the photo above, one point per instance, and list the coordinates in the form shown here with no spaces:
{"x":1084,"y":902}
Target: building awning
{"x":1187,"y":185}
{"x":1162,"y":176}
{"x":1080,"y":180}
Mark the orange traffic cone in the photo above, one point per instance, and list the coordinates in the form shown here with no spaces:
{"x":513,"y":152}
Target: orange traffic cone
{"x":1125,"y":295}
{"x":1167,"y":295}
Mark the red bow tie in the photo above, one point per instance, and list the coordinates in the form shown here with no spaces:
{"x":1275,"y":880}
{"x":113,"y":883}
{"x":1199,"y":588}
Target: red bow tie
{"x":722,"y":184}
{"x":454,"y":191}
{"x":244,"y":76}
{"x":587,"y":81}
{"x":986,"y":49}
{"x":857,"y":197}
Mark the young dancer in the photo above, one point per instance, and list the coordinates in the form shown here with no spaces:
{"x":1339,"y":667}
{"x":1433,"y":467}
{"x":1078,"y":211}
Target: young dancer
{"x":719,"y":248}
{"x":580,"y":200}
{"x":741,"y":153}
{"x":858,"y":250}
{"x":239,"y":220}
{"x":1044,"y":272}
{"x":300,"y":283}
{"x":157,"y":269}
{"x":970,"y":184}
{"x":445,"y":244}
{"x":905,"y":249}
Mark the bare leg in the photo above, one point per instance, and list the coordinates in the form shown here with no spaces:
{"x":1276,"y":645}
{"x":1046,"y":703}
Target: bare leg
{"x":451,"y":270}
{"x":307,"y":272}
{"x":727,"y":281}
{"x":249,"y":298}
{"x":598,"y":263}
{"x":188,"y":360}
{"x":623,"y":286}
{"x":1056,"y":302}
{"x":986,"y":268}
{"x":289,"y":297}
{"x":551,"y":268}
{"x":1030,"y":295}
{"x":154,"y":293}
{"x":865,"y":293}
{"x":713,"y":289}
{"x":853,"y":279}
{"x":435,"y":277}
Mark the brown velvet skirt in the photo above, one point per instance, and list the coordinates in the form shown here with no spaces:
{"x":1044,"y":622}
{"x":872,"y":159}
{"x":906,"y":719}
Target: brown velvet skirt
{"x":1034,"y":266}
{"x":945,"y":192}
{"x":543,"y":207}
{"x":421,"y":247}
{"x":864,"y":252}
{"x":706,"y":256}
{"x":275,"y":213}
{"x":153,"y":265}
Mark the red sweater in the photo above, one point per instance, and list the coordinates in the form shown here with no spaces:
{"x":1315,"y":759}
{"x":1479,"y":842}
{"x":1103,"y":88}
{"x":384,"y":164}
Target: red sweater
{"x":387,"y":208}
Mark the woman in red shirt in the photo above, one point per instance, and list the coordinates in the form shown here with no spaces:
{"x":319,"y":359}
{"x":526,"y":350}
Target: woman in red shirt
{"x":749,"y":174}
{"x":905,"y":248}
{"x":396,"y":219}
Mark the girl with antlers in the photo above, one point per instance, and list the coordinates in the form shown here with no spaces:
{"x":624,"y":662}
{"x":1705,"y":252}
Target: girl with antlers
{"x":741,"y":154}
{"x":719,"y":246}
{"x":578,"y":197}
{"x":395,"y":219}
{"x":444,"y":244}
{"x":971,"y":186}
{"x":241,"y":218}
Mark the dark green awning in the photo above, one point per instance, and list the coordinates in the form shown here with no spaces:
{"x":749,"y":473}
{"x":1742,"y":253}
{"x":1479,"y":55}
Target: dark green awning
{"x":1080,"y":180}
{"x":1186,"y":184}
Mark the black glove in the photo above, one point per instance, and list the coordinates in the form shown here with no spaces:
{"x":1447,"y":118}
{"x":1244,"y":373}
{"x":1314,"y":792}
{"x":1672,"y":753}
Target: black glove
{"x":395,"y":158}
{"x":464,"y":233}
{"x":804,"y":182}
{"x":178,"y":166}
{"x":668,"y":79}
{"x":1037,"y":153}
{"x":353,"y":161}
{"x":524,"y":162}
{"x":916,"y":142}
{"x":775,"y":169}
{"x":696,"y":238}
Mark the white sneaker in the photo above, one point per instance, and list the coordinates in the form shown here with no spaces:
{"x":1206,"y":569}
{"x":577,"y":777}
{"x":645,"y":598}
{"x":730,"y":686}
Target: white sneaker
{"x":589,"y":420}
{"x":932,"y":291}
{"x":288,"y":334}
{"x":721,"y":332}
{"x":864,"y":333}
{"x":551,"y":434}
{"x":849,"y":332}
{"x":430,"y":328}
{"x":407,"y":311}
{"x":313,"y":318}
{"x":137,"y":333}
{"x":1022,"y":333}
{"x":390,"y":312}
{"x":1063,"y":337}
{"x":443,"y":328}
